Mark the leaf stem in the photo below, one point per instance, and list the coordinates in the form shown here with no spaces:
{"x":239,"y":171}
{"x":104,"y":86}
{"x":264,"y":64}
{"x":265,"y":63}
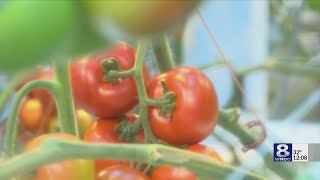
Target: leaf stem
{"x":64,"y":99}
{"x":162,"y":53}
{"x":228,"y":120}
{"x":272,"y":65}
{"x":11,"y":126}
{"x":143,"y":104}
{"x":54,"y":150}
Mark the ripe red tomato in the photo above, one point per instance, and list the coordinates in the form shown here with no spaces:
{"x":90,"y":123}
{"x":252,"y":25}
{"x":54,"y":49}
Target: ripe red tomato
{"x":100,"y":98}
{"x":146,"y":17}
{"x":205,"y":150}
{"x":120,"y":172}
{"x":78,"y":169}
{"x":102,"y":131}
{"x":172,"y":173}
{"x":33,"y":115}
{"x":176,"y":173}
{"x":195,"y":114}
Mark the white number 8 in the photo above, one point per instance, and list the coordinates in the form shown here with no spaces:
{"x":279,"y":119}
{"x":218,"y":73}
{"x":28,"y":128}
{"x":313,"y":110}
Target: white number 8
{"x":282,"y":150}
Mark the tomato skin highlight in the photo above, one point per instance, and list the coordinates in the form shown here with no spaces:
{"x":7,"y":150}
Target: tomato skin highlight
{"x":102,"y":131}
{"x":195,"y":114}
{"x":78,"y":169}
{"x":100,"y":98}
{"x":120,"y":172}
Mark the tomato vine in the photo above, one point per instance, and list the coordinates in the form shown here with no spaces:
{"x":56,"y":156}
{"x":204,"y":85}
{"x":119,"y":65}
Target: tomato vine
{"x":155,"y":152}
{"x":60,"y":88}
{"x":55,"y":150}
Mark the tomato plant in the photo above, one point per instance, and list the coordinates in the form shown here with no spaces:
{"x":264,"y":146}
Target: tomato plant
{"x":196,"y":109}
{"x":120,"y":172}
{"x":179,"y":107}
{"x":103,"y":131}
{"x":147,"y":16}
{"x":66,"y":170}
{"x":101,"y":98}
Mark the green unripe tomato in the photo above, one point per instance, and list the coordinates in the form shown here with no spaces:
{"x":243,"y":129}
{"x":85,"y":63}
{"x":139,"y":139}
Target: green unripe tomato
{"x":140,"y":16}
{"x":33,"y":31}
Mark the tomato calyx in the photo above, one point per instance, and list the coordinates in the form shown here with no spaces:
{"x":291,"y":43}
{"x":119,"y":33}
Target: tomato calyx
{"x":108,"y":66}
{"x":126,"y":131}
{"x":169,"y":97}
{"x":167,"y":102}
{"x":112,"y":72}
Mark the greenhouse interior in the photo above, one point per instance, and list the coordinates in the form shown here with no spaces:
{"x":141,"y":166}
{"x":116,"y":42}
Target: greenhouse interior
{"x":160,"y":90}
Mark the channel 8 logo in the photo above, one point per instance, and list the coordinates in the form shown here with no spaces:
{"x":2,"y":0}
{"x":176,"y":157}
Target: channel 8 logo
{"x":282,"y":152}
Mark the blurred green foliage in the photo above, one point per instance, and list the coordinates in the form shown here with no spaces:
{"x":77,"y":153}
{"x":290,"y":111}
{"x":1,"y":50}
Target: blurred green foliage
{"x":294,"y":37}
{"x":33,"y":32}
{"x":314,"y":4}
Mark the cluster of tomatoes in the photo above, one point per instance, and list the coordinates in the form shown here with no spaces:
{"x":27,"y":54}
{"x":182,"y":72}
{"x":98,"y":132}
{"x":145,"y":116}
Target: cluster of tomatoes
{"x":101,"y":106}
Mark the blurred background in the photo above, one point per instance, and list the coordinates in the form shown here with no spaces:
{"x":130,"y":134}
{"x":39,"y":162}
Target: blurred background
{"x":274,"y":48}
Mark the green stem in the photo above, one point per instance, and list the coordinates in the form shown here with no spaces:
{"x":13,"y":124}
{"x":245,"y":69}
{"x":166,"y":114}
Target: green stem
{"x":165,"y":62}
{"x":297,"y":69}
{"x":11,"y":126}
{"x":272,"y":65}
{"x":120,"y":74}
{"x":228,"y":120}
{"x":9,"y":89}
{"x":54,"y":150}
{"x":158,"y":102}
{"x":64,"y":99}
{"x":210,"y":65}
{"x":162,"y":53}
{"x":143,"y":104}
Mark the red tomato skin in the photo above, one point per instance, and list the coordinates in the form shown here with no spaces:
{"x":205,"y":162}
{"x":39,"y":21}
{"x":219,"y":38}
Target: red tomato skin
{"x":120,"y":172}
{"x":172,"y":173}
{"x":205,"y":150}
{"x":102,"y":131}
{"x":196,"y":110}
{"x":97,"y":97}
